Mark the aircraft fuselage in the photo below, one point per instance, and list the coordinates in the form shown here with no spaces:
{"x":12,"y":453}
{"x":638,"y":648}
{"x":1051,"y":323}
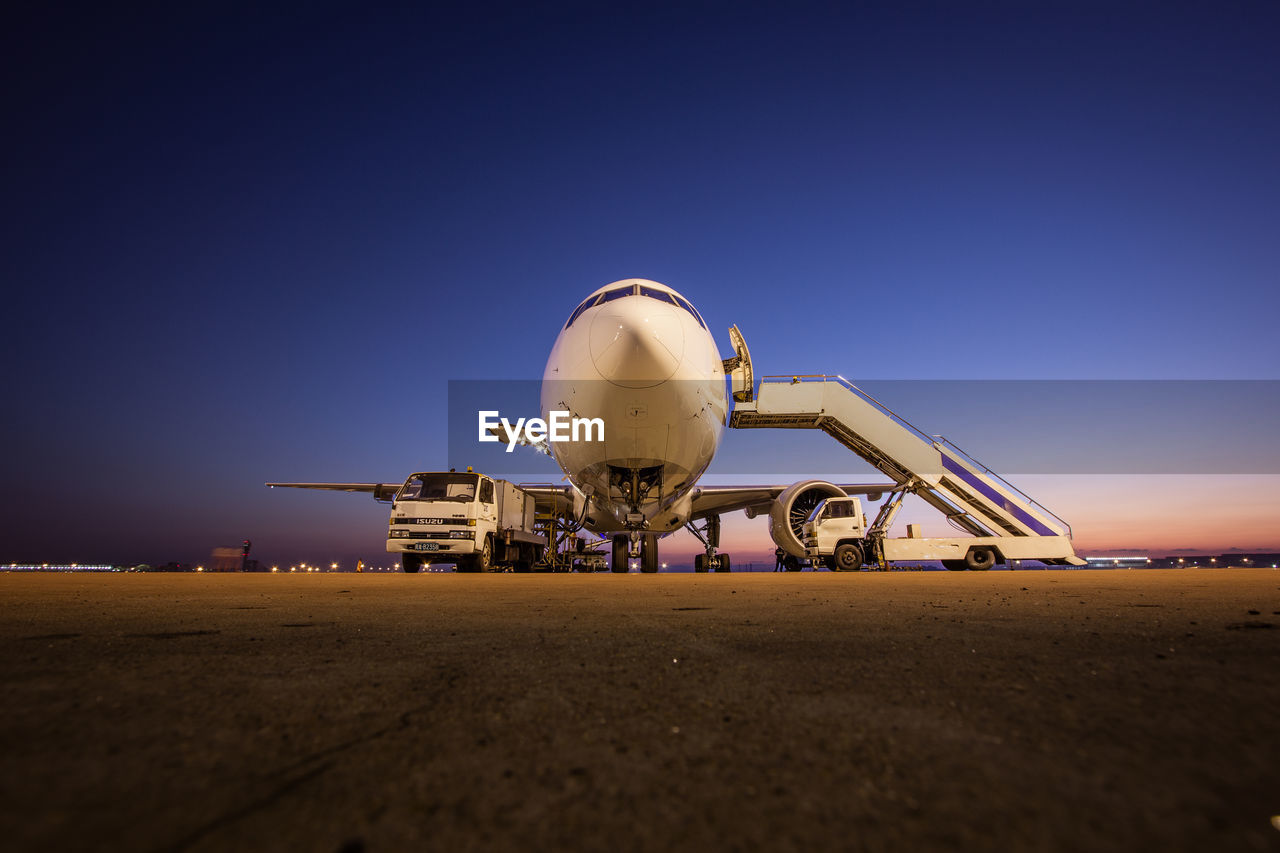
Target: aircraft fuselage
{"x":636,"y":354}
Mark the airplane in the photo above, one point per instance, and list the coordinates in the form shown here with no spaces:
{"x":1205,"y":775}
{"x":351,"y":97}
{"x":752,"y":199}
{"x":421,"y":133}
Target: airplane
{"x":638,"y":355}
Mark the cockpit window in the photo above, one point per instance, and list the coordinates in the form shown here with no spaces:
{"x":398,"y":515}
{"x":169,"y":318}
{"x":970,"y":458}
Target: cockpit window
{"x":591,"y":300}
{"x":654,"y":293}
{"x":617,"y":293}
{"x":632,"y":290}
{"x":439,"y":487}
{"x":686,"y":306}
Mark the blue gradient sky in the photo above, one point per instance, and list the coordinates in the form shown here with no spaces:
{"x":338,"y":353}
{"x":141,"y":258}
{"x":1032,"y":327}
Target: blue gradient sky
{"x":243,"y":245}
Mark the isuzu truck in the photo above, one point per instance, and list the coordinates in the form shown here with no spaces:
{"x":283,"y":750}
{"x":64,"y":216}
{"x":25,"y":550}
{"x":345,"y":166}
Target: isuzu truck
{"x":474,"y":522}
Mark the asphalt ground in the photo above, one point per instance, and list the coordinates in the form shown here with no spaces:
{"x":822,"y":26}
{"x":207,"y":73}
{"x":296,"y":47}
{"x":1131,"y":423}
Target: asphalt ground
{"x":1066,"y":710}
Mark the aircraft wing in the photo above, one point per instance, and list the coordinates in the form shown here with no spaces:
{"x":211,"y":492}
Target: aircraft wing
{"x":715,"y":500}
{"x":380,"y":491}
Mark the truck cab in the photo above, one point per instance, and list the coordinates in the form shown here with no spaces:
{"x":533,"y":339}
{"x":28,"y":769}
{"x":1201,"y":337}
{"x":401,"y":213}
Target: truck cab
{"x":835,"y":532}
{"x":464,"y":518}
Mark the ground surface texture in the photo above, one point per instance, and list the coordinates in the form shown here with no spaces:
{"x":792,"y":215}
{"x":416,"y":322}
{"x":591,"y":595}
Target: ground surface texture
{"x":1072,"y":710}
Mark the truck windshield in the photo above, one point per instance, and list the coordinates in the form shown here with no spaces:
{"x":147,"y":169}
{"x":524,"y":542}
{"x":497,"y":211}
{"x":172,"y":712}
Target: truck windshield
{"x":832,"y":509}
{"x":439,"y":487}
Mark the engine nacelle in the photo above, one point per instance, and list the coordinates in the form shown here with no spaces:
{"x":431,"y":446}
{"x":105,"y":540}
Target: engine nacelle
{"x":789,"y":511}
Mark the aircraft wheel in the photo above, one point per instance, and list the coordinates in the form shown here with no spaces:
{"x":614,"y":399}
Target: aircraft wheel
{"x":848,"y":558}
{"x":411,"y":563}
{"x":722,"y":562}
{"x":700,"y":563}
{"x":791,"y":563}
{"x":620,"y":555}
{"x":649,"y":554}
{"x":980,"y":559}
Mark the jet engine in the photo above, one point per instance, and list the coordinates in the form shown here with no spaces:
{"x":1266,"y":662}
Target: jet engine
{"x":790,"y":509}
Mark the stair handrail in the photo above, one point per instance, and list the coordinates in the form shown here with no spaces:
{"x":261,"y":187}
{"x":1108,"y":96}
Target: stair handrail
{"x":840,"y":380}
{"x":943,"y":440}
{"x":934,"y":440}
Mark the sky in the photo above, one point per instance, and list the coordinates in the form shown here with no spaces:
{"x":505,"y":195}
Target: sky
{"x":246,"y":243}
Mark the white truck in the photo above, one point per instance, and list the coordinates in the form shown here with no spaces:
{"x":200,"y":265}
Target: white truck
{"x":836,"y":534}
{"x":475,"y":522}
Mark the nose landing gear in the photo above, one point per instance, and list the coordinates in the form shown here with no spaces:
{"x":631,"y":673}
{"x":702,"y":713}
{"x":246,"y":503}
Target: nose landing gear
{"x":635,"y":544}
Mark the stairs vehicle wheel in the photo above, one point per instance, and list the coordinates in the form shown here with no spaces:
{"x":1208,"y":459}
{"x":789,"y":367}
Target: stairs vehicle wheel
{"x":980,"y":559}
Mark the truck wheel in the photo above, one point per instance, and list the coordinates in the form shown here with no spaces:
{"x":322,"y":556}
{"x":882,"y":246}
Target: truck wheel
{"x":980,"y":559}
{"x":722,"y":564}
{"x":620,"y":555}
{"x":410,"y":563}
{"x":954,"y":565}
{"x":848,"y":558}
{"x":700,"y":563}
{"x":483,"y":561}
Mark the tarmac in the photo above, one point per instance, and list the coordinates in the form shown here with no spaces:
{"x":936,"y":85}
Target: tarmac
{"x":1058,"y":710}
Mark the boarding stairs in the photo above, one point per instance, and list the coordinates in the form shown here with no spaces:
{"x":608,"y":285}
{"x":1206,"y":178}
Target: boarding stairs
{"x":971,"y":496}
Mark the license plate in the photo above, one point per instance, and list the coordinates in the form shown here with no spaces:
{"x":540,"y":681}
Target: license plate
{"x":426,"y":546}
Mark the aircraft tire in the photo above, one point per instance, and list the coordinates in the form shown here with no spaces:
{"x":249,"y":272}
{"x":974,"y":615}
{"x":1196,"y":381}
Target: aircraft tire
{"x":411,"y":563}
{"x":649,"y":554}
{"x":723,"y":564}
{"x":619,"y":564}
{"x":700,"y":563}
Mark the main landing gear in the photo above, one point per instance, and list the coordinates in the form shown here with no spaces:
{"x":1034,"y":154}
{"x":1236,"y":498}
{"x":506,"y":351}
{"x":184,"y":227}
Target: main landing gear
{"x":709,"y":561}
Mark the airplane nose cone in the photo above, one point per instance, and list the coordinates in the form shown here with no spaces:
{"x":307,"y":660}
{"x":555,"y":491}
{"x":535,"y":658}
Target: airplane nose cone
{"x":637,"y":342}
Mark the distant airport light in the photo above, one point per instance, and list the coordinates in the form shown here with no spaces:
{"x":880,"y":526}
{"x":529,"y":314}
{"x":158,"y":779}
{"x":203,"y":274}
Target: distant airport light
{"x":56,"y":567}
